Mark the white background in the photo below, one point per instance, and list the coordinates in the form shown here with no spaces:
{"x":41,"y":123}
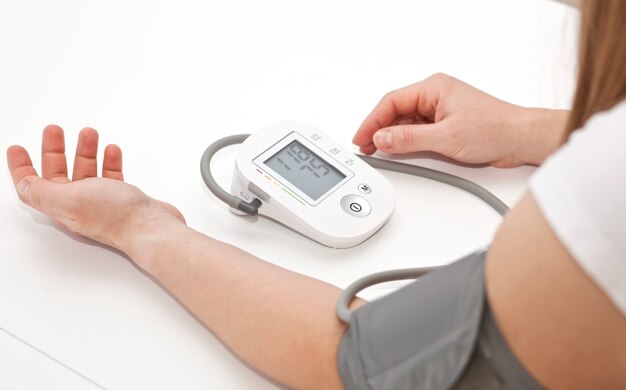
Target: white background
{"x":163,"y":79}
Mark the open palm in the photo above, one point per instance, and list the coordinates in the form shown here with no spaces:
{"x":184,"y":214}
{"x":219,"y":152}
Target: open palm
{"x":101,"y":208}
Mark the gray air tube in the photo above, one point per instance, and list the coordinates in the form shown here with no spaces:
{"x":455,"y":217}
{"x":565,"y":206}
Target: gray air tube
{"x":343,"y":312}
{"x":251,"y":208}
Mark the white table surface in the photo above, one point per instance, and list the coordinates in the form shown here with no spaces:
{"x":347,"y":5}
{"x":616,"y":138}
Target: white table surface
{"x":163,"y":79}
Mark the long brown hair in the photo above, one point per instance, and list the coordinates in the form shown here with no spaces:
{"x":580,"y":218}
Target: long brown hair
{"x":601,"y":60}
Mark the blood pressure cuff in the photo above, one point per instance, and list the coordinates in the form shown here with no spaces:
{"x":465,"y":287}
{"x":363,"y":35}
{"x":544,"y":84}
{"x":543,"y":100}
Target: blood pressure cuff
{"x":435,"y":333}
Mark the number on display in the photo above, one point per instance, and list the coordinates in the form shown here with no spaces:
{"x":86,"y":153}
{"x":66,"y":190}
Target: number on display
{"x":302,"y":157}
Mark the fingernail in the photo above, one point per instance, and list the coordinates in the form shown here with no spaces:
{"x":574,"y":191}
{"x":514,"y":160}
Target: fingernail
{"x":23,"y":188}
{"x":382,"y":139}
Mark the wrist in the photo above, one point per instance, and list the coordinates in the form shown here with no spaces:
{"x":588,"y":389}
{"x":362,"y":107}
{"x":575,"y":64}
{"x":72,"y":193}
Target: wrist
{"x":540,"y":133}
{"x":142,"y":235}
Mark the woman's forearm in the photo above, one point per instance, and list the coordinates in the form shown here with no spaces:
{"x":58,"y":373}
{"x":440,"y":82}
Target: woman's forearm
{"x":280,"y":322}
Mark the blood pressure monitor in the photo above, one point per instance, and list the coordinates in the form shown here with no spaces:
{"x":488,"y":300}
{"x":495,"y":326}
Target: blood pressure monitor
{"x":311,"y":184}
{"x":297,"y":175}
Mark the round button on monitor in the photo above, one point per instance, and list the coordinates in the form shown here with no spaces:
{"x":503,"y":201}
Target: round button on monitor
{"x":365,"y":188}
{"x":356,"y":206}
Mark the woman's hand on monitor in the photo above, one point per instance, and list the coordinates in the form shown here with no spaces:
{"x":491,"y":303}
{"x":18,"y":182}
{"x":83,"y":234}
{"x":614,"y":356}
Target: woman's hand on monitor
{"x":447,"y":116}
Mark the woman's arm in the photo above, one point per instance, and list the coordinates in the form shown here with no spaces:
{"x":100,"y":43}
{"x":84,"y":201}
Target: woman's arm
{"x":280,"y":322}
{"x":557,"y":321}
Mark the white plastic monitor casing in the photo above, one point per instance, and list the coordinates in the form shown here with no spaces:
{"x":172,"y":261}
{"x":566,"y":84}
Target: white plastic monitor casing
{"x":324,"y":219}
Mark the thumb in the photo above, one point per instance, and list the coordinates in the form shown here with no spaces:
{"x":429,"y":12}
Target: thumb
{"x":409,"y":138}
{"x":41,"y":194}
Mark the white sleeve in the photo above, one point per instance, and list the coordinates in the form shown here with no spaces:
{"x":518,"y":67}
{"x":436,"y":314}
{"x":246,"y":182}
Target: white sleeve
{"x":581,"y":190}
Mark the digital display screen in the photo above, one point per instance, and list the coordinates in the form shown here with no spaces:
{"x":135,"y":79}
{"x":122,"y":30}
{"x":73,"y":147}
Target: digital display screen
{"x":304,"y":169}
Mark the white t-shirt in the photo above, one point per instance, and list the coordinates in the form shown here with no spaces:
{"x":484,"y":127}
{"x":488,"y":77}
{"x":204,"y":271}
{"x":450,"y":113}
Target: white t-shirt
{"x":581,"y":190}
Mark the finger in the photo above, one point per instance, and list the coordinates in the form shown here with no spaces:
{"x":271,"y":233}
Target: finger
{"x":368,"y":149}
{"x":53,"y":164}
{"x":410,"y":138}
{"x":384,"y":114}
{"x":85,"y":161}
{"x":20,"y":165}
{"x":405,"y":121}
{"x":112,"y":164}
{"x":49,"y":197}
{"x":417,"y":99}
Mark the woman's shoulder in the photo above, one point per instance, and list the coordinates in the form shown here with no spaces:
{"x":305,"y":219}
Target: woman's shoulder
{"x":611,"y":122}
{"x":592,"y":153}
{"x":581,"y":191}
{"x":557,"y":265}
{"x":592,"y":158}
